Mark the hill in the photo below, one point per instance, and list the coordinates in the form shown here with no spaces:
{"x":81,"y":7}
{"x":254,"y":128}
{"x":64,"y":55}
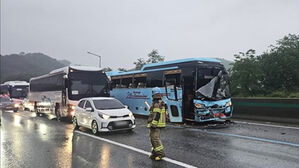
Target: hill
{"x":24,"y":66}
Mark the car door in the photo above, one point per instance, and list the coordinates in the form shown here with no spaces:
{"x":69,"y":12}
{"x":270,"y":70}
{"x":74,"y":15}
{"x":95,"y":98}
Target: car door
{"x":87,"y":115}
{"x":79,"y":111}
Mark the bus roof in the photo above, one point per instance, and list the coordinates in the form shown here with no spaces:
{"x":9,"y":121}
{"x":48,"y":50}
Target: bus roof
{"x":151,"y":67}
{"x":65,"y":70}
{"x":76,"y":67}
{"x":181,"y":61}
{"x":16,"y":83}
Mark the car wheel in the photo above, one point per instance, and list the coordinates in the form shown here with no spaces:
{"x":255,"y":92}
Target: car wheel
{"x":94,"y":128}
{"x":75,"y":123}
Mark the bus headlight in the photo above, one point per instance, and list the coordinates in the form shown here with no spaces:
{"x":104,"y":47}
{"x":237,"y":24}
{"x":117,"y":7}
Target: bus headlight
{"x":199,"y":106}
{"x":104,"y":116}
{"x":228,"y":103}
{"x":131,"y":115}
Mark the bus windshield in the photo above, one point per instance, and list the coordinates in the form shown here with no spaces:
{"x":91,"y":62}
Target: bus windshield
{"x":87,"y":84}
{"x":213,"y":87}
{"x":19,"y":92}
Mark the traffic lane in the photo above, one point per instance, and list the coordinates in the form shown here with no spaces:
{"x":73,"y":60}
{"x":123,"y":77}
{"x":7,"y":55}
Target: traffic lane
{"x":90,"y":152}
{"x":30,"y":141}
{"x":35,"y":141}
{"x":200,"y":148}
{"x":266,"y":131}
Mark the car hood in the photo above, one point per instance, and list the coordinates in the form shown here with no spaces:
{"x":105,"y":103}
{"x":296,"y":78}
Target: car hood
{"x":115,"y":112}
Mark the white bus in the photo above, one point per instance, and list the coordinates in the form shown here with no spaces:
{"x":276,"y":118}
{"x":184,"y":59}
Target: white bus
{"x":17,"y":91}
{"x":58,"y":92}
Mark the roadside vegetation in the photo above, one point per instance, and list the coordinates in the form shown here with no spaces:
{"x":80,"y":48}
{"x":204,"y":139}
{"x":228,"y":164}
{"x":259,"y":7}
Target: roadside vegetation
{"x":275,"y":73}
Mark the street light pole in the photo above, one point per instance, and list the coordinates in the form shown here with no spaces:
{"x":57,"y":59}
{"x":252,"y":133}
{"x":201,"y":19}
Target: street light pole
{"x":100,"y":57}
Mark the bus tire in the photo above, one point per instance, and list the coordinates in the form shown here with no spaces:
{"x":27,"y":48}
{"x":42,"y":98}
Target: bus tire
{"x":75,"y":123}
{"x":57,"y":112}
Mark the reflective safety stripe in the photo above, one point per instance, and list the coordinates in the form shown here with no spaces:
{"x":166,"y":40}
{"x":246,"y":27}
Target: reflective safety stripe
{"x":154,"y":122}
{"x":162,"y":119}
{"x":159,"y":148}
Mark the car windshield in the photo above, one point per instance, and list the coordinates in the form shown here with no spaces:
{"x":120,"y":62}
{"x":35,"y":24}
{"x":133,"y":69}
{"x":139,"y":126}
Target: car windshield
{"x":108,"y":104}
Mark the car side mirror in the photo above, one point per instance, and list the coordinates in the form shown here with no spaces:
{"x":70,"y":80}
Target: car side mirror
{"x":89,"y":109}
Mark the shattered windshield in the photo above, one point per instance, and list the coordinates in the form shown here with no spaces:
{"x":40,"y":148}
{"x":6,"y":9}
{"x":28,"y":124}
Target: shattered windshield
{"x":217,"y":88}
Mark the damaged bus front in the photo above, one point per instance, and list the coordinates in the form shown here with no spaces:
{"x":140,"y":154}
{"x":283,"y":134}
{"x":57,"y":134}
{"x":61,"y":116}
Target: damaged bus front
{"x":212,"y":99}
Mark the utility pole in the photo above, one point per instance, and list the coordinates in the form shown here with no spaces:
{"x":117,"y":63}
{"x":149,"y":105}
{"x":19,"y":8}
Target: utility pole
{"x":100,"y":57}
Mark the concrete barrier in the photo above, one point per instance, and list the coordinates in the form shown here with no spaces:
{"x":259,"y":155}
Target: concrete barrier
{"x":267,"y":109}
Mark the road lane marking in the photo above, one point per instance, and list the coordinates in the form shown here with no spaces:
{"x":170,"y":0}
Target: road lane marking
{"x":135,"y":149}
{"x":269,"y":125}
{"x":249,"y":137}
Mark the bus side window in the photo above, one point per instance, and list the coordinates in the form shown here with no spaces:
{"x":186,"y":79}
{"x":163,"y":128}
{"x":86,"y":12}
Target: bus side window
{"x":115,"y":83}
{"x":125,"y":82}
{"x":154,"y":79}
{"x":139,"y":82}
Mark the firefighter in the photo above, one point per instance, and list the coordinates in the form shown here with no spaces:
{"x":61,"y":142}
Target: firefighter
{"x":157,"y":121}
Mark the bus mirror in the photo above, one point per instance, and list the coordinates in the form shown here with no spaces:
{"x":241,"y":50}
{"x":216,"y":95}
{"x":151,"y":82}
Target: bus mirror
{"x":65,"y":76}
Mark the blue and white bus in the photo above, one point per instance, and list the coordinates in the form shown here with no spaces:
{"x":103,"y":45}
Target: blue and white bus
{"x":194,"y":89}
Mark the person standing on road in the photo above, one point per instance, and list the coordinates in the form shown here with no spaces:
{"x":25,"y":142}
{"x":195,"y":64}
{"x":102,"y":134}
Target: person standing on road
{"x":157,"y":121}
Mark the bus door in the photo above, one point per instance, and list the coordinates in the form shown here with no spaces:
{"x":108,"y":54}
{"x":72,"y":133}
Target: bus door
{"x":188,"y":92}
{"x":173,"y":97}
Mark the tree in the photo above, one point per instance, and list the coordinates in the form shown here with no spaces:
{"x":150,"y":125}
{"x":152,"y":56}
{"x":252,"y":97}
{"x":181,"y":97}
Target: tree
{"x":280,"y":65}
{"x":246,"y":74}
{"x":273,"y":73}
{"x":153,"y":57}
{"x":139,"y":63}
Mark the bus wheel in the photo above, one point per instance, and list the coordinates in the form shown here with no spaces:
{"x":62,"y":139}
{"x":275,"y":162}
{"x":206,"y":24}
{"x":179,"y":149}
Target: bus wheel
{"x":94,"y":127}
{"x":75,"y":123}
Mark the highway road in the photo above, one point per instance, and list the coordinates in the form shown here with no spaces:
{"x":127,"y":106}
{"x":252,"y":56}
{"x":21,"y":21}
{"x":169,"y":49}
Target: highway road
{"x":33,"y":141}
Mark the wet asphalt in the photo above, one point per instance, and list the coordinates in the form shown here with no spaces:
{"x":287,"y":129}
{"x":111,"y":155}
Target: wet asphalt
{"x":33,"y":141}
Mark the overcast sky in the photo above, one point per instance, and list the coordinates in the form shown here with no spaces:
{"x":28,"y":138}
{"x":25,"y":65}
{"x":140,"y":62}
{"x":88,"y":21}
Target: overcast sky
{"x":124,"y":30}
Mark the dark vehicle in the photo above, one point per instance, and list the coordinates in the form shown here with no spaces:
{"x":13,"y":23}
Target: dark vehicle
{"x":7,"y":104}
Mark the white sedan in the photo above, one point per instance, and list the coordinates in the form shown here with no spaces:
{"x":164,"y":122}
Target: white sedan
{"x":102,"y":114}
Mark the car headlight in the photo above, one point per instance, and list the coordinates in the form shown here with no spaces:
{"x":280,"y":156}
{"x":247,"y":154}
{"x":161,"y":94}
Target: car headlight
{"x":104,"y":116}
{"x":16,"y":105}
{"x":199,"y":106}
{"x":131,"y":115}
{"x":228,"y":103}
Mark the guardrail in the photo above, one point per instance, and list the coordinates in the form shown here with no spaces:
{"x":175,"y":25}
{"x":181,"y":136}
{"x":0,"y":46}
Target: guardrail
{"x":267,"y":109}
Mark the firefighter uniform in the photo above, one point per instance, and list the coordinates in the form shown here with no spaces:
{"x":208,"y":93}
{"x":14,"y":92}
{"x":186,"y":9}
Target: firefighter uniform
{"x":157,"y":121}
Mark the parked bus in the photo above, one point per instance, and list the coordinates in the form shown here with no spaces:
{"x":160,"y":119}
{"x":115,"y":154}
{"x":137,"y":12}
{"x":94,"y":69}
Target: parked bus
{"x":58,"y":92}
{"x":194,"y":89}
{"x":17,"y":91}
